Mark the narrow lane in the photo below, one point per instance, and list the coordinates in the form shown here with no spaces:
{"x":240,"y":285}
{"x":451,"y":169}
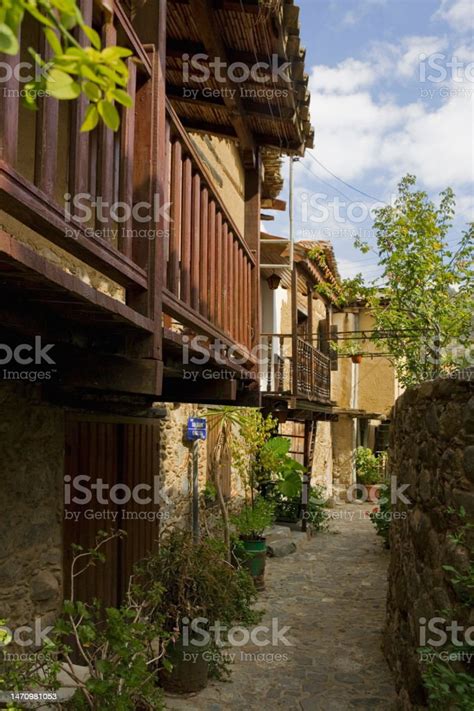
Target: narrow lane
{"x":331,"y":594}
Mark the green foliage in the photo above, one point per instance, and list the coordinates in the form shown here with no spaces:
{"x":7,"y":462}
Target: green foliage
{"x":428,"y":285}
{"x":251,"y":521}
{"x":198,"y":582}
{"x":463,"y":583}
{"x":120,"y":646}
{"x":316,"y":512}
{"x":276,"y":463}
{"x":449,"y":686}
{"x":367,"y":466}
{"x":100,"y":74}
{"x":381,"y":516}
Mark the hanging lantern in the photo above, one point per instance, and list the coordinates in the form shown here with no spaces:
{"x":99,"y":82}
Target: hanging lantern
{"x":273,"y":281}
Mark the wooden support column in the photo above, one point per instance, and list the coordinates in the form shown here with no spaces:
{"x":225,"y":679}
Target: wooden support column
{"x":46,"y":135}
{"x":294,"y":328}
{"x":127,"y":137}
{"x":204,"y":261}
{"x":79,"y":150}
{"x":252,"y":237}
{"x":9,"y":109}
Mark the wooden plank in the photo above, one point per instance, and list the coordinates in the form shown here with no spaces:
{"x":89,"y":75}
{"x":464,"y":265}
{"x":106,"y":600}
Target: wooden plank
{"x":203,"y":18}
{"x":176,"y":213}
{"x":167,"y":200}
{"x":205,"y":173}
{"x":219,"y":263}
{"x":30,"y":259}
{"x":241,"y":310}
{"x":223,"y":265}
{"x":46,"y":148}
{"x":195,"y":242}
{"x":204,"y":261}
{"x":212,"y":262}
{"x":105,"y":178}
{"x":237,"y":294}
{"x":79,"y":148}
{"x":185,"y":291}
{"x":252,"y":236}
{"x":33,"y":208}
{"x":185,"y":315}
{"x":127,"y":140}
{"x":9,"y":110}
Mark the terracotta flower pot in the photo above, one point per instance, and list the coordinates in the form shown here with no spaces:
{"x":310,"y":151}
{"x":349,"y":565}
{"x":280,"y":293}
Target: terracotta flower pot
{"x":356,"y":358}
{"x":373,"y":493}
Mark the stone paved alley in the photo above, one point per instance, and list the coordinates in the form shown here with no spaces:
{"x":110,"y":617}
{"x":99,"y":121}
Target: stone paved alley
{"x":331,"y":593}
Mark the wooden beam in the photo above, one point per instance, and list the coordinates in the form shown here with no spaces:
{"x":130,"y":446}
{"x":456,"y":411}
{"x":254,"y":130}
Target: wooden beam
{"x":33,"y":208}
{"x":122,"y":375}
{"x":14,"y":251}
{"x":277,"y":112}
{"x":202,"y":12}
{"x":274,"y":204}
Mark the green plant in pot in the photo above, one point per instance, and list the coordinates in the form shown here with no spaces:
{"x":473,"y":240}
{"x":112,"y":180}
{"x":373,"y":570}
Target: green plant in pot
{"x":251,"y":549}
{"x":368,"y":472}
{"x":283,"y":478}
{"x":200,"y":589}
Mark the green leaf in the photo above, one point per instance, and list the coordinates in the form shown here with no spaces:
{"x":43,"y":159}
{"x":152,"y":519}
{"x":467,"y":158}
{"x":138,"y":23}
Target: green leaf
{"x":122,"y":97}
{"x":112,"y":53}
{"x":39,"y":16}
{"x":91,"y":119}
{"x":61,"y":86}
{"x":92,"y":91}
{"x":92,"y":36}
{"x":109,"y":114}
{"x":8,"y":42}
{"x":53,"y":41}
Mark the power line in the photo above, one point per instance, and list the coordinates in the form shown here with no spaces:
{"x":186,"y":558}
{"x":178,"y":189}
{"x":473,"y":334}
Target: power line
{"x":352,"y":187}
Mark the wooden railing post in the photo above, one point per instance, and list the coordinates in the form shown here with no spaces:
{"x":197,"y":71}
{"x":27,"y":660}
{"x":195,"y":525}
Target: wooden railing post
{"x":252,"y":237}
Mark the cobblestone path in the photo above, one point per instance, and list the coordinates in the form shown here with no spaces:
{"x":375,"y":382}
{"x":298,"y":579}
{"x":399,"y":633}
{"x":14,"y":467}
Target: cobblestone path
{"x":331,"y":593}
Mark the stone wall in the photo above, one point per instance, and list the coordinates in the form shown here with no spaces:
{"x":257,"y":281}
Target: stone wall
{"x":31,"y":495}
{"x":432,"y":451}
{"x":175,"y":466}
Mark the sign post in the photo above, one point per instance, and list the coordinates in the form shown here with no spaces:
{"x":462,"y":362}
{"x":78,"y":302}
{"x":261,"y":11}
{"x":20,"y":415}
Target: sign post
{"x":196,"y":431}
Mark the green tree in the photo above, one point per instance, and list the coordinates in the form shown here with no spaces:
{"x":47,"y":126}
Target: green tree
{"x":100,"y":74}
{"x":425,"y":306}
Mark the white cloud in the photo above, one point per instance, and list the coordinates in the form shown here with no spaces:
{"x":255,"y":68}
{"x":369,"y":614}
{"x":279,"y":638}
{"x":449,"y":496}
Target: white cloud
{"x":458,"y":13}
{"x":359,"y":132}
{"x":415,"y":49}
{"x":349,"y":75}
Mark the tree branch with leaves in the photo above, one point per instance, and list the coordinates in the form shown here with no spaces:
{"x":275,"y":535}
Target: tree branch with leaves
{"x":71,"y":69}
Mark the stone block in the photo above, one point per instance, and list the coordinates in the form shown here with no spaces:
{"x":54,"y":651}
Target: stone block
{"x":281,"y":548}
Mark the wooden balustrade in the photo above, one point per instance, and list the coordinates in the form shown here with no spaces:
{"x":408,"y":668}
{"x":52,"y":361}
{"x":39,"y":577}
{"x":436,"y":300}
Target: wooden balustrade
{"x":39,"y":187}
{"x":313,"y":368}
{"x":209,"y":266}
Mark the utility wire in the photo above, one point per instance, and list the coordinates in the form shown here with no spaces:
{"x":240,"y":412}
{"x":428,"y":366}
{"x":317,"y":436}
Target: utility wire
{"x":352,"y":187}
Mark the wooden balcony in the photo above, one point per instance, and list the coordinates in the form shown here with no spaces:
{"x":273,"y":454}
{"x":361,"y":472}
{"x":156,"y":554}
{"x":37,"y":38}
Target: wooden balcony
{"x":209,"y":268}
{"x":66,"y":260}
{"x":65,"y":255}
{"x":310,"y":380}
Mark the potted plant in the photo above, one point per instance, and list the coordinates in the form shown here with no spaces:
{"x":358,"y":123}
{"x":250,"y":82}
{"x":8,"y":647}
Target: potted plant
{"x":282,"y":476}
{"x":352,"y":348}
{"x":251,"y":550}
{"x":200,"y":588}
{"x":368,"y":472}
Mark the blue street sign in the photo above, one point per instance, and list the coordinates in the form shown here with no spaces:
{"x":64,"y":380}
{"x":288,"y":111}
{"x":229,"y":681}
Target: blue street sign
{"x":197,"y":428}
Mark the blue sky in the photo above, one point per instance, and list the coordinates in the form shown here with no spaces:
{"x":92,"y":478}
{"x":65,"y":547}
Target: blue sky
{"x":386,"y":100}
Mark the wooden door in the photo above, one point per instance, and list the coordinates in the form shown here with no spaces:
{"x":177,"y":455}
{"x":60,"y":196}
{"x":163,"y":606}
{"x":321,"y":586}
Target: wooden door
{"x":109,"y":454}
